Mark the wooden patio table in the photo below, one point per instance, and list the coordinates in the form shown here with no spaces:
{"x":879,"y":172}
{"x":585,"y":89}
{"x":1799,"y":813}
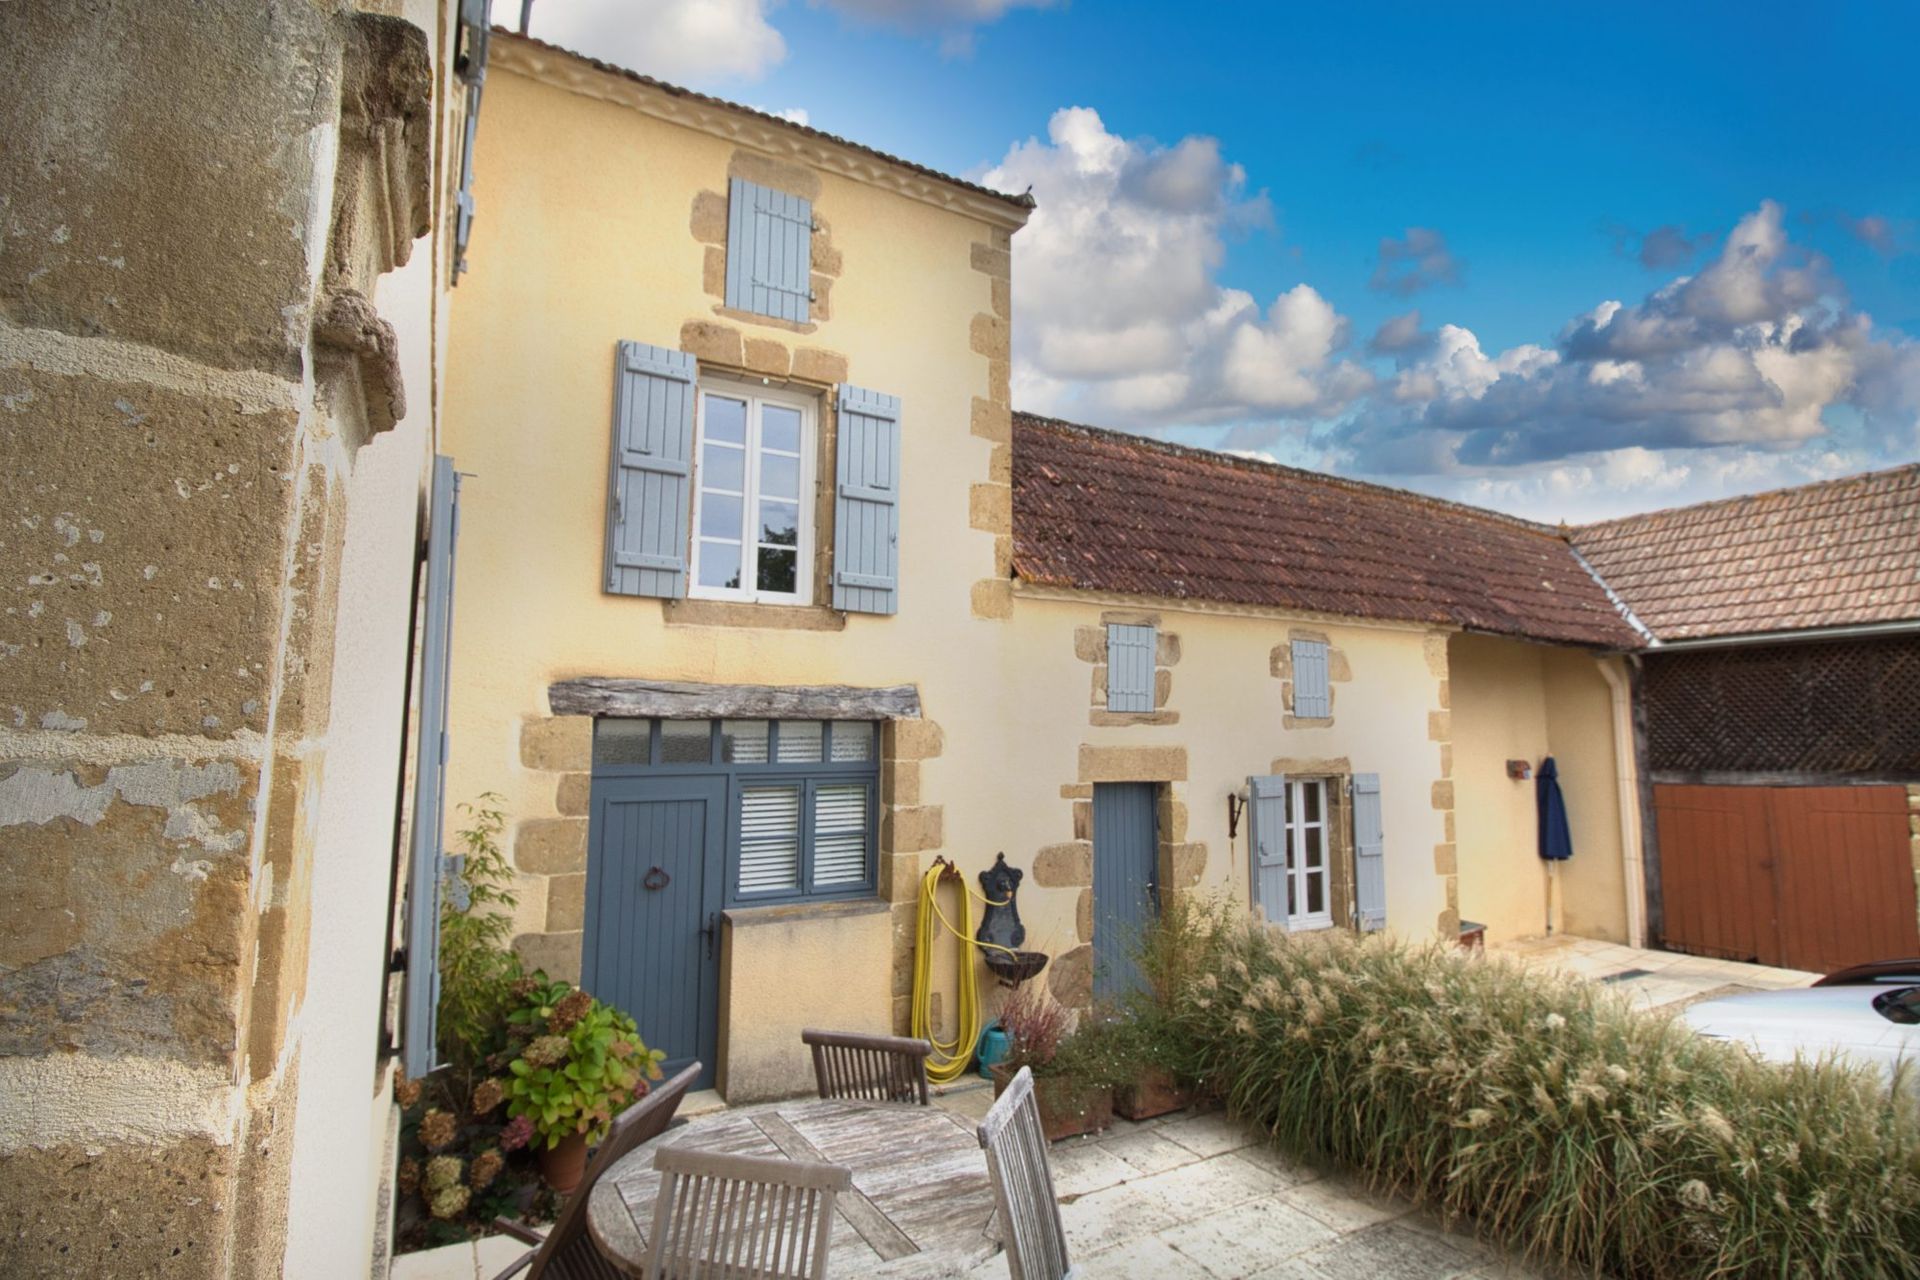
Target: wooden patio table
{"x":921,"y":1205}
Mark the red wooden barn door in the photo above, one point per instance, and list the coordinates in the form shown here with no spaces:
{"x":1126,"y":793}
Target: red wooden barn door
{"x":1804,"y":877}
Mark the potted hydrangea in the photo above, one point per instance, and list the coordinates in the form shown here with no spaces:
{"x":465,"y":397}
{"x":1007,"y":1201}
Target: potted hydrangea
{"x":579,"y":1063}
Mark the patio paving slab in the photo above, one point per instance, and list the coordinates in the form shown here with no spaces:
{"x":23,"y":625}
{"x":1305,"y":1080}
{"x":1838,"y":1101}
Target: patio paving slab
{"x":480,"y":1259}
{"x":1249,"y":1238}
{"x":1197,"y":1196}
{"x":1653,"y":979}
{"x":1392,"y":1251}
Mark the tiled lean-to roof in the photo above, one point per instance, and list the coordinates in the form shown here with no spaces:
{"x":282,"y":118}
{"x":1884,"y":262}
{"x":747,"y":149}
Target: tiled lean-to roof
{"x":1101,"y":510}
{"x":1833,"y":554}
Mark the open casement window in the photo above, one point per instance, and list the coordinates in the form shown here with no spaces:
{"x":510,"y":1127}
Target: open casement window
{"x":1309,"y":855}
{"x":753,"y":505}
{"x":1291,"y":853}
{"x":1292,"y":847}
{"x":712,"y":491}
{"x":426,"y":865}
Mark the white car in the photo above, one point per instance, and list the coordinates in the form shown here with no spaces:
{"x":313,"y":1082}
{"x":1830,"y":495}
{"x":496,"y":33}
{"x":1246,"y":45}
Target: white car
{"x":1869,"y":1014}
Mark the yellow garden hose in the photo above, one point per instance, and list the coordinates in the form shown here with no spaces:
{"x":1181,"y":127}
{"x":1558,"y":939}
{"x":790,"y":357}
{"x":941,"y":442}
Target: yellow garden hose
{"x":950,"y":1058}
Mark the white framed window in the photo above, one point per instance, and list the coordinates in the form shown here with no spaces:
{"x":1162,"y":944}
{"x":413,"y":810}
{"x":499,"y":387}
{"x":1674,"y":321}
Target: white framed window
{"x":1309,"y":874}
{"x":753,"y":503}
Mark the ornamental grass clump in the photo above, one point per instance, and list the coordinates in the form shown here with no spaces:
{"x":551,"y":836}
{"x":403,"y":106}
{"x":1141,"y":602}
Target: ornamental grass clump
{"x":1562,"y":1121}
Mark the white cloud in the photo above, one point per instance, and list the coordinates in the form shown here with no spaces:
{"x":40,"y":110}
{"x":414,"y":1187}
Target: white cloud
{"x":679,"y":40}
{"x":1122,"y":317}
{"x":954,"y":21}
{"x":1619,"y":482}
{"x":796,"y":114}
{"x":1756,"y":351}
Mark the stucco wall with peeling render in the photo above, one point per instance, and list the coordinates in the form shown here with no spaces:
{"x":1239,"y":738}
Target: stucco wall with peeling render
{"x":211,"y":513}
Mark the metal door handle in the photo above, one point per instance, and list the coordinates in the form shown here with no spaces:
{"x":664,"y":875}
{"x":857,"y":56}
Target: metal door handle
{"x":656,"y":880}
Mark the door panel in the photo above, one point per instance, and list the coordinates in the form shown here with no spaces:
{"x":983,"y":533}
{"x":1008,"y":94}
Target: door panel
{"x":651,"y":944}
{"x":1125,"y":854}
{"x":1845,"y":871}
{"x":1805,"y":877}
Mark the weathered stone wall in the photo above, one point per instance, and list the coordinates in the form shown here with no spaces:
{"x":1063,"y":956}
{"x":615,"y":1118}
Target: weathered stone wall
{"x":184,"y":206}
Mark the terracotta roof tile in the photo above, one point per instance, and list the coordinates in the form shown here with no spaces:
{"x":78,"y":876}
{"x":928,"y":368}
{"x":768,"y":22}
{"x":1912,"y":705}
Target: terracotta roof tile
{"x":1105,"y":511}
{"x":1837,"y":553}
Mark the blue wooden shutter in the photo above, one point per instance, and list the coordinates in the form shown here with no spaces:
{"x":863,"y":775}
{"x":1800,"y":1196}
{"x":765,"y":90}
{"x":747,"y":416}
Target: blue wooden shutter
{"x":866,"y":509}
{"x":769,"y":252}
{"x":419,"y":1027}
{"x":651,"y":477}
{"x":1129,"y":667}
{"x":1267,"y":845}
{"x":1369,"y":854}
{"x":1312,"y":697}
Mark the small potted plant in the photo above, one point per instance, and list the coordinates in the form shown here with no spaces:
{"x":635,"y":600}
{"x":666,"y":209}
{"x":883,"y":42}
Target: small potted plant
{"x":579,"y":1063}
{"x":1072,"y":1069}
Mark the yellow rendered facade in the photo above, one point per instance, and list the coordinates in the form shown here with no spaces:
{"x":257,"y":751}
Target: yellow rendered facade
{"x":605,"y":201}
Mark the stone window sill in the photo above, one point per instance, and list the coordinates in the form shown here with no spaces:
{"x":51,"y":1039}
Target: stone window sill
{"x":1117,"y":718}
{"x":801,"y":912}
{"x":766,"y":617}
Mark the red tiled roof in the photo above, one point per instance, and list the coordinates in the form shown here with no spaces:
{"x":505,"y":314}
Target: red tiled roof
{"x":1837,"y":553}
{"x":1023,"y":202}
{"x":1105,"y":511}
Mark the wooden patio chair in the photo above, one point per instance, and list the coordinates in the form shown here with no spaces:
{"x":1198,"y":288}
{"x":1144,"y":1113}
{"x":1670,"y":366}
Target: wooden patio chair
{"x":728,"y":1217}
{"x":566,"y":1251}
{"x":874,"y":1068}
{"x":1030,"y":1227}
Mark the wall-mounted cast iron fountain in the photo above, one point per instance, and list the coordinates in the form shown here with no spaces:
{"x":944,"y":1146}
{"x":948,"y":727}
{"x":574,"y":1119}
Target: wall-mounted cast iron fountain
{"x":1001,"y":933}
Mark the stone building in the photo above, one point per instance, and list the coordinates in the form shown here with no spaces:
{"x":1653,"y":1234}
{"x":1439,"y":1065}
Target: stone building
{"x":226,"y":243}
{"x":769,"y":598}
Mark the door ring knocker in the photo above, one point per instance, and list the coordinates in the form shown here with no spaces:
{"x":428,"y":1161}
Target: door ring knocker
{"x":656,"y":880}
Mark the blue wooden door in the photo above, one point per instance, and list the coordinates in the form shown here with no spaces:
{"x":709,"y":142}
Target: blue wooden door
{"x":1125,"y":853}
{"x":652,"y":942}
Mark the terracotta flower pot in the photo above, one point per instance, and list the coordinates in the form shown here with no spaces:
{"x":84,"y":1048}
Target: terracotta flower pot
{"x":1153,"y":1094}
{"x":564,"y":1165}
{"x":1067,"y":1107}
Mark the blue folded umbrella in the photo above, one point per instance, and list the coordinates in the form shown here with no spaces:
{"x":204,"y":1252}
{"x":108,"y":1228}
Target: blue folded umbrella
{"x":1556,"y":838}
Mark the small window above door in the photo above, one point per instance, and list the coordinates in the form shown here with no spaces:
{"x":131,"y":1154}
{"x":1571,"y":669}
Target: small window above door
{"x":707,"y":745}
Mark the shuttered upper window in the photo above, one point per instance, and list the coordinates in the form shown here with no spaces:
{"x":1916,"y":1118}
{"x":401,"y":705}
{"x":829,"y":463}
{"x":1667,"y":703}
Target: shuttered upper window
{"x":802,"y":796}
{"x":753,"y":501}
{"x":769,"y":252}
{"x":729,"y":515}
{"x":1312,"y":692}
{"x":1130,"y":651}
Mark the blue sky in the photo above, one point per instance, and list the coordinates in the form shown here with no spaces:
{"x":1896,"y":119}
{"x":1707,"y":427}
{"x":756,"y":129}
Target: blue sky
{"x":1235,"y":198}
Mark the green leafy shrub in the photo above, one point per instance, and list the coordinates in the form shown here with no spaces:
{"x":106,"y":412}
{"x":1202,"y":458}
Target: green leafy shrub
{"x":478,"y":966}
{"x":1565,"y":1123}
{"x":1107,"y":1048}
{"x":580,"y":1062}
